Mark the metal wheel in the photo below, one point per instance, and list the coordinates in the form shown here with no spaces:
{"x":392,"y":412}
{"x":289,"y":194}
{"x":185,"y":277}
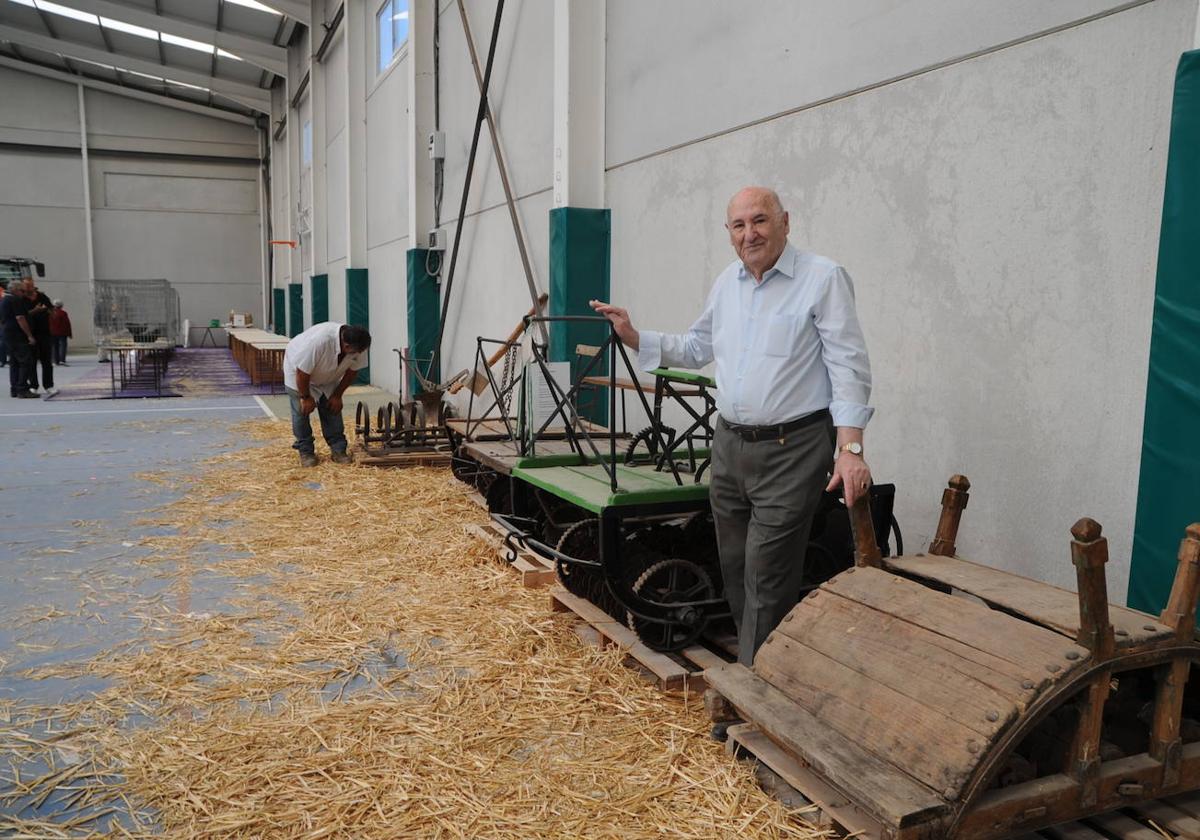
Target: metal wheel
{"x":362,"y":421}
{"x":581,"y":540}
{"x":672,"y":581}
{"x":499,"y":494}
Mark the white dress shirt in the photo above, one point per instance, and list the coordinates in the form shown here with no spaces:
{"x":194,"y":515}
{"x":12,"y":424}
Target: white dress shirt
{"x":784,"y":347}
{"x":315,"y":351}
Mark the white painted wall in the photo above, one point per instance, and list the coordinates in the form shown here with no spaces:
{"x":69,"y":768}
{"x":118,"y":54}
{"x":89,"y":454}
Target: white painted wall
{"x":387,"y":219}
{"x":1000,"y":217}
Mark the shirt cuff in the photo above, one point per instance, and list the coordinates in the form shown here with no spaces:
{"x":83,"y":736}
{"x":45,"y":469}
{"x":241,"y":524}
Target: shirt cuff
{"x":850,"y":414}
{"x":649,"y":349}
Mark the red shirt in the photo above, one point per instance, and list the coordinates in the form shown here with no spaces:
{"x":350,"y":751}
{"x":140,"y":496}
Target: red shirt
{"x":60,"y":323}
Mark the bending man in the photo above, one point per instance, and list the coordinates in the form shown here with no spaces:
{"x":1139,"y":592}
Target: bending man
{"x":791,"y":367}
{"x":318,"y":367}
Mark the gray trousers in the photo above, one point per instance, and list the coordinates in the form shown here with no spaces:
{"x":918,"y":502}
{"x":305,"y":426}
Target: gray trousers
{"x":763,"y":497}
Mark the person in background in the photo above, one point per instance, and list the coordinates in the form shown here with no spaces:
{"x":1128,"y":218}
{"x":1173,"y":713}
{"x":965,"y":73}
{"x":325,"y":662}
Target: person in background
{"x":60,"y":331}
{"x":318,"y":367}
{"x":39,"y":319}
{"x":18,"y":336}
{"x":3,"y":343}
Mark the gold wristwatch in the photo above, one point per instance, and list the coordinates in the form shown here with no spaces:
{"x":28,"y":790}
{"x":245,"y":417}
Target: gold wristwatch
{"x":853,"y":447}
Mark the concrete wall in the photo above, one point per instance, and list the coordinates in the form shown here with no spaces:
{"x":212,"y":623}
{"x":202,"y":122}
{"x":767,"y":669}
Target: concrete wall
{"x":1000,"y":218}
{"x":173,"y":194}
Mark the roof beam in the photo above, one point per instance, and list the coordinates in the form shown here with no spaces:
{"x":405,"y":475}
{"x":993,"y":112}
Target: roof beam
{"x":296,"y":9}
{"x":260,"y":53}
{"x":119,"y":90}
{"x":248,"y":95}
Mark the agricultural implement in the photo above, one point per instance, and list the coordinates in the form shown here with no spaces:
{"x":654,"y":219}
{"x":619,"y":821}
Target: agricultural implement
{"x":629,"y":528}
{"x":914,"y":712}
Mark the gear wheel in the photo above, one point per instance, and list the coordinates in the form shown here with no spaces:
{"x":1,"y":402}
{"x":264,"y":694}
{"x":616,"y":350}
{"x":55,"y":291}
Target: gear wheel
{"x":647,"y":439}
{"x":581,"y":540}
{"x":672,"y":581}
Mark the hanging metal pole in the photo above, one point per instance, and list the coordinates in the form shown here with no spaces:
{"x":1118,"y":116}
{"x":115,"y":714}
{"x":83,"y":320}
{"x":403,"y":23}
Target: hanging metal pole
{"x":503,"y":169}
{"x":462,"y":206}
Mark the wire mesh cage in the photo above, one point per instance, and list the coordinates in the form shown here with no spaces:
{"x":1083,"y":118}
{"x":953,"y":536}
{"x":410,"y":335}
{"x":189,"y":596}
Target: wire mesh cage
{"x":141,"y":310}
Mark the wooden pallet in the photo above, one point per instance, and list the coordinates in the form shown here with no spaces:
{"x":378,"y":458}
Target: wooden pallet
{"x":535,"y":570}
{"x":1171,"y":817}
{"x":667,"y":671}
{"x":379,"y":458}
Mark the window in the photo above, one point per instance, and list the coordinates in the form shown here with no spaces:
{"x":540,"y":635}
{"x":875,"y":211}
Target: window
{"x":391,"y":24}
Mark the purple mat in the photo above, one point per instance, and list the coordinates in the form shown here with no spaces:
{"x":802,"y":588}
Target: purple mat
{"x":191,"y":372}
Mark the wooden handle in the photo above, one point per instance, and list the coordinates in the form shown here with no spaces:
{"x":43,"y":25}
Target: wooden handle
{"x":1089,"y":553}
{"x":954,"y":500}
{"x":866,"y":549}
{"x":1180,"y":612}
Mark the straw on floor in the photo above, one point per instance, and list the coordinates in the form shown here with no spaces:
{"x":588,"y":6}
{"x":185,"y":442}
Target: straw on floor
{"x":375,"y":673}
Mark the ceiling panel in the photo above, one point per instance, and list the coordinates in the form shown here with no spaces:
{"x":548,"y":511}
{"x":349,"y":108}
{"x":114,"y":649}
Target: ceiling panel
{"x":76,"y":30}
{"x":15,"y":14}
{"x":202,"y":11}
{"x":188,"y":59}
{"x":249,"y":22}
{"x":242,"y":71}
{"x":134,"y":45}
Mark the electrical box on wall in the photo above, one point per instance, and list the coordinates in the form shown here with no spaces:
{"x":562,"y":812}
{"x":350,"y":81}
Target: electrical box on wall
{"x":437,"y":241}
{"x":437,"y":145}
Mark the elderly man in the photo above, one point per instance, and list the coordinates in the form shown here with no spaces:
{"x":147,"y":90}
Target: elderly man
{"x":791,"y":367}
{"x":318,"y":367}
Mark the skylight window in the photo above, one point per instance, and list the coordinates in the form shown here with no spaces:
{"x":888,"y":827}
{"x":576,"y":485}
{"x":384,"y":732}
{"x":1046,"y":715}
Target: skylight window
{"x":65,"y":11}
{"x":254,"y":4}
{"x":121,"y":26}
{"x":186,"y":42}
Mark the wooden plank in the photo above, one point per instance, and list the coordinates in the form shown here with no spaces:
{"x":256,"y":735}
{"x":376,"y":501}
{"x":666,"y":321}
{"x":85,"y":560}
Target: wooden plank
{"x":851,"y":818}
{"x":1169,"y":818}
{"x":669,"y":674}
{"x":1073,"y":831}
{"x":889,"y":651}
{"x":891,"y":797}
{"x":1189,"y":803}
{"x":1031,"y":648}
{"x":1116,"y":824}
{"x":1050,"y":606}
{"x":916,"y":739}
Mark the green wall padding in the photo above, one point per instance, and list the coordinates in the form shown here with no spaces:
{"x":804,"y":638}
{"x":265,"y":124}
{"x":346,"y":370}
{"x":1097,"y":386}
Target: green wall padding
{"x":295,"y":309}
{"x":320,"y":298}
{"x":358,"y":309}
{"x":424,"y":313}
{"x":1169,"y":485}
{"x":279,"y":311}
{"x":579,"y":271}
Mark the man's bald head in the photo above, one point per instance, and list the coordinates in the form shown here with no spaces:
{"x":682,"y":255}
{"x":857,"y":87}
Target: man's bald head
{"x":759,"y":194}
{"x":758,"y":228}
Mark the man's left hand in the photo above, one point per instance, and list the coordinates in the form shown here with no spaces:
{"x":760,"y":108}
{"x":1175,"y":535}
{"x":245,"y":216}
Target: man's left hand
{"x":335,"y":404}
{"x":851,"y":473}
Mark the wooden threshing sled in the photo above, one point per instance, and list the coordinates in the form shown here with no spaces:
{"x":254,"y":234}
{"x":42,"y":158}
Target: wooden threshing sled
{"x":916,"y":712}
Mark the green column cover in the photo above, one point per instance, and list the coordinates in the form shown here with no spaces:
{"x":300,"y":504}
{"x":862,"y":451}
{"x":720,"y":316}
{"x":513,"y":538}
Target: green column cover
{"x":320,"y":298}
{"x":358,"y":308}
{"x":423,"y":315}
{"x":279,"y":311}
{"x":295,"y":309}
{"x":579,"y":271}
{"x":1169,"y":486}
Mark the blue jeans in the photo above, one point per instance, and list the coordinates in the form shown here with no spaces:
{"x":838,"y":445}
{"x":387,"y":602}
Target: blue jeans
{"x":333,"y":429}
{"x":60,"y":349}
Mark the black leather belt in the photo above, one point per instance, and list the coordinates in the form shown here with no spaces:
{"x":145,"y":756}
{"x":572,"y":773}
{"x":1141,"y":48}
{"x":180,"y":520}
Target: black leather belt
{"x":777,"y":431}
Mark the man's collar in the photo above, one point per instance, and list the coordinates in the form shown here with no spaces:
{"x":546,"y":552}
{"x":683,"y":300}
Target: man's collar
{"x":785,"y":265}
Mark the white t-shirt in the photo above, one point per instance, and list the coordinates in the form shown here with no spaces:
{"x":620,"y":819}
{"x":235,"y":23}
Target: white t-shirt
{"x":315,"y":351}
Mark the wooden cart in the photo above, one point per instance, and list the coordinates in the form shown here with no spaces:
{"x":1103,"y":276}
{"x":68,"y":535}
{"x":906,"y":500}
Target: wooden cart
{"x":927,"y":696}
